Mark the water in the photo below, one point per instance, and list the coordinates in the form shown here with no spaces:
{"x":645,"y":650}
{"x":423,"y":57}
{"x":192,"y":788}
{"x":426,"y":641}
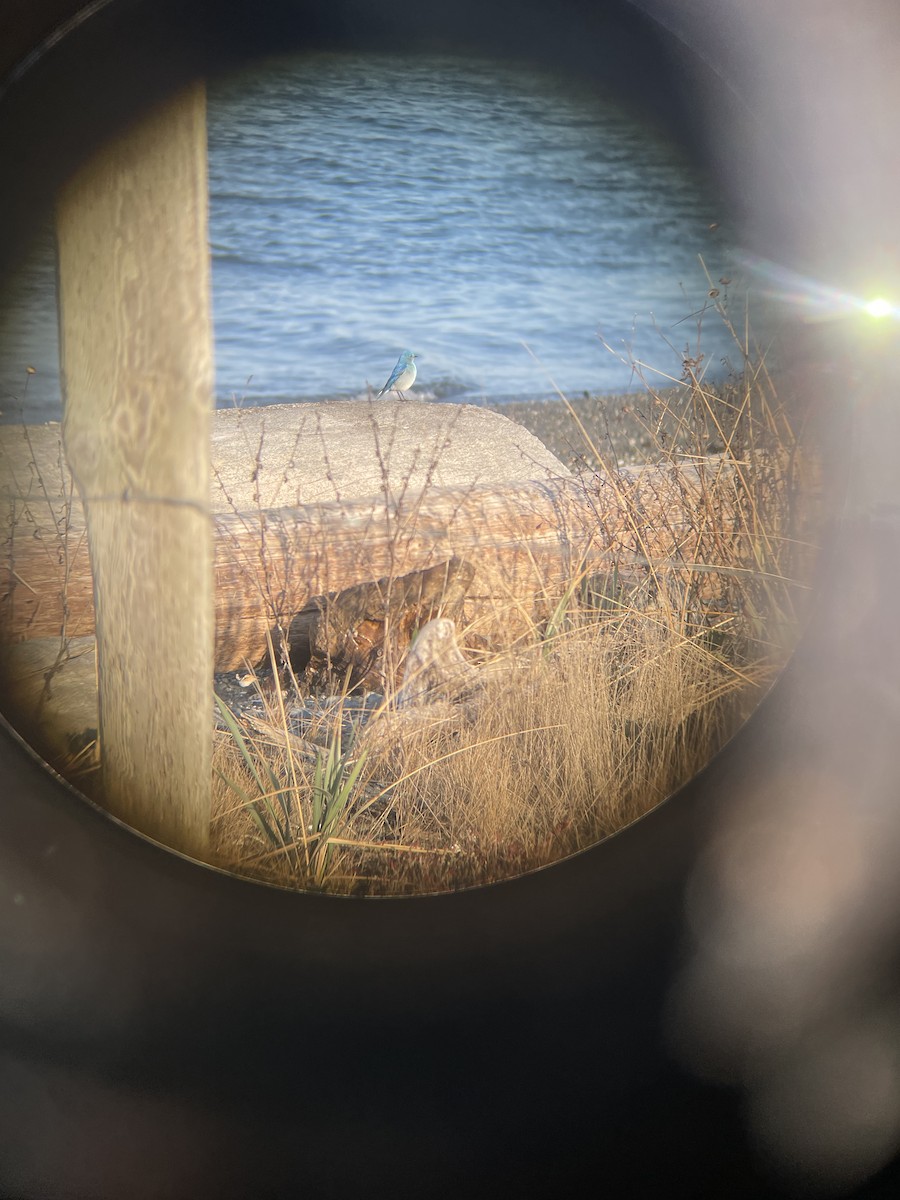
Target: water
{"x":500,"y":224}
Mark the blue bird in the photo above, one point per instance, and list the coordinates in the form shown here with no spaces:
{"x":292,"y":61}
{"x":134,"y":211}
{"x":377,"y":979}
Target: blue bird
{"x":403,"y":375}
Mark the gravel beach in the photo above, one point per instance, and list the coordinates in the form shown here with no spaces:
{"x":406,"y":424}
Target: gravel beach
{"x":620,"y":428}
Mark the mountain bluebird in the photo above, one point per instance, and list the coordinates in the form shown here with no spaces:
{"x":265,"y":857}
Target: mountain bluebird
{"x":403,"y":375}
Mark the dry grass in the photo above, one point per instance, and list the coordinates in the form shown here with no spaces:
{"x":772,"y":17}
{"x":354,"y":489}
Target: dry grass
{"x":624,"y":689}
{"x":581,"y":736}
{"x":632,"y":673}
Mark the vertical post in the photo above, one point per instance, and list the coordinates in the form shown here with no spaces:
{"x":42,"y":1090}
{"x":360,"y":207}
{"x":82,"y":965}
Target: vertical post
{"x":136,"y":358}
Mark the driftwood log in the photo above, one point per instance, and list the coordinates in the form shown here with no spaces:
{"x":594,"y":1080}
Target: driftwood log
{"x":524,"y":541}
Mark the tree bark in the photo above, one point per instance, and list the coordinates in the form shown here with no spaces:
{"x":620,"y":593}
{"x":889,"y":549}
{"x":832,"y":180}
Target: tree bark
{"x":136,"y":354}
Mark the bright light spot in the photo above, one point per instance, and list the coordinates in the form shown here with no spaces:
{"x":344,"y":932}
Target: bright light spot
{"x":879,"y":307}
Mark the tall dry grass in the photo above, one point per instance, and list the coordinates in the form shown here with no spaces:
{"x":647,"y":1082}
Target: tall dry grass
{"x":632,"y":673}
{"x":626,"y":686}
{"x":575,"y":739}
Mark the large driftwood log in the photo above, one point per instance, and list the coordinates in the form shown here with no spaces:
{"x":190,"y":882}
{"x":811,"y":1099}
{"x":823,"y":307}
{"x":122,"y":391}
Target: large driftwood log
{"x":524,"y":540}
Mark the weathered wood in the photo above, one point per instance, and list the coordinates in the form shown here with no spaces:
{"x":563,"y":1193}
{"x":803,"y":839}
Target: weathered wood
{"x":360,"y":635}
{"x":524,"y":540}
{"x":136,"y":353}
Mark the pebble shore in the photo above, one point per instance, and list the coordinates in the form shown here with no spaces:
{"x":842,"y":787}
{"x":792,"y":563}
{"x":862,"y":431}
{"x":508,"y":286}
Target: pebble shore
{"x":613,"y":429}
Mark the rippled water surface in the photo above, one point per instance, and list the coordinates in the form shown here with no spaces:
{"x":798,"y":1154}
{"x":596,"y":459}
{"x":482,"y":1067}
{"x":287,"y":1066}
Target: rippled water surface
{"x":500,"y":224}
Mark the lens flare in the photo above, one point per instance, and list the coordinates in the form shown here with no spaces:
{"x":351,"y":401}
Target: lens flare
{"x":879,"y":307}
{"x":810,"y":298}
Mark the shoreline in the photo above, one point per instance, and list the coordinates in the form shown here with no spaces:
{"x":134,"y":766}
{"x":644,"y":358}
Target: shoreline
{"x":615,"y":424}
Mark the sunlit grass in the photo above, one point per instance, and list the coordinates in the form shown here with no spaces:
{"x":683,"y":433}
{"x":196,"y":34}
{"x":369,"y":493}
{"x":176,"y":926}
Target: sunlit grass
{"x":620,"y":693}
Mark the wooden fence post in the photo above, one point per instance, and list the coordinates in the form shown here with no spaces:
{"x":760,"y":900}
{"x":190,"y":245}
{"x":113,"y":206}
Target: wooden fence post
{"x":136,"y":357}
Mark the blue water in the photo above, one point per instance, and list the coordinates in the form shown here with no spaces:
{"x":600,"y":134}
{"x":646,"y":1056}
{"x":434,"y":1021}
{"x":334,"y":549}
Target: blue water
{"x":502,"y":225}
